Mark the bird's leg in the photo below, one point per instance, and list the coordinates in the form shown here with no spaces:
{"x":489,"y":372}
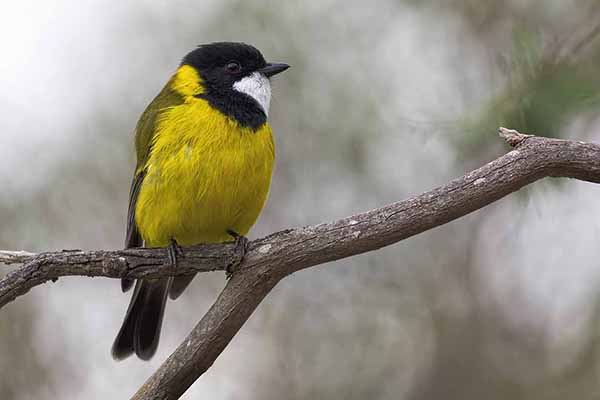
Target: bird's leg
{"x":241,"y":245}
{"x":172,"y":251}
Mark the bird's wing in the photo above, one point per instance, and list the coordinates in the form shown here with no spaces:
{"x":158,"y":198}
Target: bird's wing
{"x":133,"y":237}
{"x":144,"y":136}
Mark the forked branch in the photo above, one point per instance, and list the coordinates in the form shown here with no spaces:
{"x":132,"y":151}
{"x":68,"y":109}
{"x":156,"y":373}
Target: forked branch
{"x":270,"y":259}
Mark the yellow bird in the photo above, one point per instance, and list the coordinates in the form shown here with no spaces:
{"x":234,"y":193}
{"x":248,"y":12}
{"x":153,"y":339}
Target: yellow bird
{"x":205,"y":156}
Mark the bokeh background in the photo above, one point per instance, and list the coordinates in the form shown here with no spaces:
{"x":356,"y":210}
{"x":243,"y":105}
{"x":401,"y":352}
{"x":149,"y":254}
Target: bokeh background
{"x":385,"y":99}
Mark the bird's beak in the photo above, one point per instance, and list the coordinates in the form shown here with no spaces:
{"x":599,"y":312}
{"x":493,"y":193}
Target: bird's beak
{"x":273,"y":69}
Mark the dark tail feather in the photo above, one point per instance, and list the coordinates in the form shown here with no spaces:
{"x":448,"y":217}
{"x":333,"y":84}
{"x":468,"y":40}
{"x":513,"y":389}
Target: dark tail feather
{"x":141,"y":328}
{"x":126,"y":284}
{"x":179,"y":285}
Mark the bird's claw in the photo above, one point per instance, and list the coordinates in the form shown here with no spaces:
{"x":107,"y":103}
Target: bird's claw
{"x":241,"y":246}
{"x":173,"y":251}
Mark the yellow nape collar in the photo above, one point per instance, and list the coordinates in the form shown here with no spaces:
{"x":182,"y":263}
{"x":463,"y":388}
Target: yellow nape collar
{"x":187,"y":81}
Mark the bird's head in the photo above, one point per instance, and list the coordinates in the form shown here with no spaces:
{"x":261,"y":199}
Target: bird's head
{"x":233,"y":75}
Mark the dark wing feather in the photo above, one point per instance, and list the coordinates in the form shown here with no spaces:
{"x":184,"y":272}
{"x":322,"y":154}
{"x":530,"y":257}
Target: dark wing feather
{"x":133,"y":237}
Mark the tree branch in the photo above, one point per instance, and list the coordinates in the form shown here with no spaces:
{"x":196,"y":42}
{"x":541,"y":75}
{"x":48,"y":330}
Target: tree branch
{"x":270,"y":259}
{"x":130,"y":263}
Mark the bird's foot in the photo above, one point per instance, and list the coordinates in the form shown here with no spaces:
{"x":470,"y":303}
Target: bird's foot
{"x":241,"y":246}
{"x":173,"y":251}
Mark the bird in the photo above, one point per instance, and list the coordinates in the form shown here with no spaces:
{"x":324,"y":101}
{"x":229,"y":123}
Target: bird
{"x":205,"y":155}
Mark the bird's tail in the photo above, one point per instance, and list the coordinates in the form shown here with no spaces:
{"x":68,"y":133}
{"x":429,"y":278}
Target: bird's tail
{"x":141,"y":328}
{"x":179,"y":284}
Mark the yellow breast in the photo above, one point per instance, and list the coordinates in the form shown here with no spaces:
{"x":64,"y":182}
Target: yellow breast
{"x":205,"y":174}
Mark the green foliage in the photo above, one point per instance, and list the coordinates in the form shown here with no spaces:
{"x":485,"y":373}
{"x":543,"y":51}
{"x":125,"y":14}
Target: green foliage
{"x":540,"y":97}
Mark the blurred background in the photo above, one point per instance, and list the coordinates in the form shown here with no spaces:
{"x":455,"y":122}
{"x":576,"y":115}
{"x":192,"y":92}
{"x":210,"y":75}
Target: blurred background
{"x":384,"y":100}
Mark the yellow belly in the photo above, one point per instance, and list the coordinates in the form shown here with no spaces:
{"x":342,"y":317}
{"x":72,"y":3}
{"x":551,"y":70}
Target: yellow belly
{"x":205,"y":174}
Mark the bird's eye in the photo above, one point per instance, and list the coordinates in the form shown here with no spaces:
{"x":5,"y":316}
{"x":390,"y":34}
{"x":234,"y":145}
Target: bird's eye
{"x":233,"y":67}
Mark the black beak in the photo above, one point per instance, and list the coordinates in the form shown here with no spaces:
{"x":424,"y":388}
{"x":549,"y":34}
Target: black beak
{"x":273,"y":69}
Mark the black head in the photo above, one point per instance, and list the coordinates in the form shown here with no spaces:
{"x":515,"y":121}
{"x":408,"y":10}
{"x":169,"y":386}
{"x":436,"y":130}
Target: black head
{"x":221,"y":64}
{"x":235,"y":79}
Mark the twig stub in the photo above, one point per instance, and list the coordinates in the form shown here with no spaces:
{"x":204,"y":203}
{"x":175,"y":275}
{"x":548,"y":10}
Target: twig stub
{"x":512,"y":136}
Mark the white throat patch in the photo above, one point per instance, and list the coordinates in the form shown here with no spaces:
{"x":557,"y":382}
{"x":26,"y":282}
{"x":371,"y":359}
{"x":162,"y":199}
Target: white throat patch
{"x":256,"y":86}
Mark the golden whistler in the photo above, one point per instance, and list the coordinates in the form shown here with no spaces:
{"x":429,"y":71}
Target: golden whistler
{"x":205,"y":156}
